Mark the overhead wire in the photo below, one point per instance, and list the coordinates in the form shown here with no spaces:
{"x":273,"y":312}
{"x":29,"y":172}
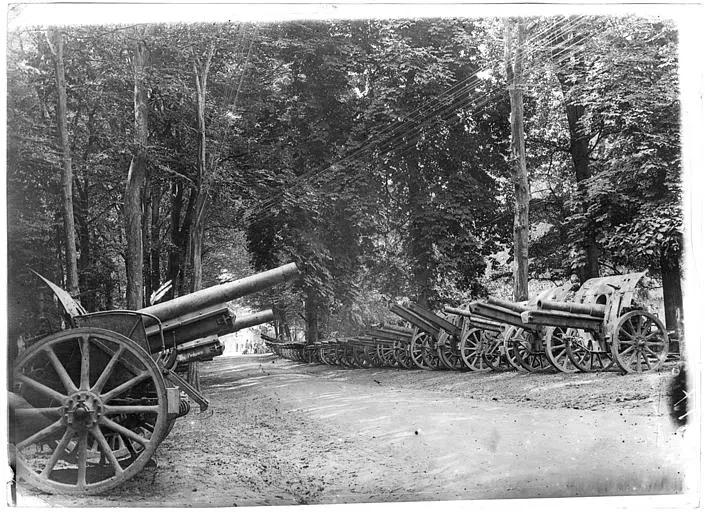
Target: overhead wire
{"x":456,"y":103}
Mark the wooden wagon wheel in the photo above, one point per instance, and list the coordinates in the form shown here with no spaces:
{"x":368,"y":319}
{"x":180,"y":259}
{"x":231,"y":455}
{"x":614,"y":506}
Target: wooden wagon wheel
{"x":586,"y":352}
{"x":402,"y":355}
{"x":493,"y":354}
{"x":97,"y":400}
{"x":386,"y":354}
{"x":449,"y":354}
{"x":557,"y":350}
{"x":326,"y":354}
{"x":417,"y":349}
{"x":430,"y":353}
{"x":529,"y":351}
{"x":639,"y":342}
{"x":472,"y":348}
{"x":371,"y":356}
{"x":509,"y":348}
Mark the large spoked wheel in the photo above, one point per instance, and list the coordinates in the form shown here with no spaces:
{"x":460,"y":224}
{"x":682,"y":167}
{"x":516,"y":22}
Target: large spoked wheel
{"x":385,"y":353}
{"x":91,"y":411}
{"x":417,"y":350}
{"x":430,"y":353}
{"x":493,"y":354}
{"x":586,"y":351}
{"x":402,"y":355}
{"x":449,"y":354}
{"x":472,"y":347}
{"x":557,"y":351}
{"x":509,"y":348}
{"x":639,"y":342}
{"x":529,"y":351}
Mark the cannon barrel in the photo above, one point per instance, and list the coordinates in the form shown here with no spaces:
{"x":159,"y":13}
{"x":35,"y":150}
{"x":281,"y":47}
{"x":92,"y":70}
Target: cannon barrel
{"x":475,"y":321}
{"x":596,"y":310}
{"x":245,"y":321}
{"x":210,"y":322}
{"x":511,"y":306}
{"x":221,"y":293}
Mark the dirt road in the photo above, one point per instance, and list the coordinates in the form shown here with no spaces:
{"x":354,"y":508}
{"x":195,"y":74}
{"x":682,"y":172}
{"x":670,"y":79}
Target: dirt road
{"x":288,"y":433}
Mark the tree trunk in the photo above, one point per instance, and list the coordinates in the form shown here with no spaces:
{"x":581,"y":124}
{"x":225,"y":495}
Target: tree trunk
{"x":136,"y":179}
{"x":311,"y":312}
{"x":580,"y":154}
{"x":155,"y":272}
{"x":56,"y":44}
{"x":197,"y":227}
{"x":419,"y":243}
{"x":520,"y":174}
{"x":672,"y":298}
{"x":147,"y":244}
{"x":175,"y":260}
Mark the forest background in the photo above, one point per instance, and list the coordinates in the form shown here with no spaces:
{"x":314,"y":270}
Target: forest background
{"x":375,"y":153}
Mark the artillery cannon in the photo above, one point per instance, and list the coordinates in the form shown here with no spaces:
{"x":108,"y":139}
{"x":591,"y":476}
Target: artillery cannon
{"x":91,"y":403}
{"x":481,"y":340}
{"x":605,"y":324}
{"x":522,"y":343}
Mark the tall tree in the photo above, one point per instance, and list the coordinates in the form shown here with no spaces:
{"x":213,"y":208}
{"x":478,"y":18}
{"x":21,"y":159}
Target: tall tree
{"x":55,"y":39}
{"x":201,"y":68}
{"x":136,"y":179}
{"x":514,"y":61}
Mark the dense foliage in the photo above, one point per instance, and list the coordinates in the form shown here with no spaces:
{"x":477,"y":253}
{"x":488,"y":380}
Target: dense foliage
{"x":373,"y":153}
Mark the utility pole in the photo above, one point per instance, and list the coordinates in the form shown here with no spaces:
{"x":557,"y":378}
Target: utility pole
{"x":514,"y":62}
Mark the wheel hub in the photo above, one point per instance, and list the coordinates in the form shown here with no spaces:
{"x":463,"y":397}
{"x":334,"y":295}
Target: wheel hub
{"x":83,"y":410}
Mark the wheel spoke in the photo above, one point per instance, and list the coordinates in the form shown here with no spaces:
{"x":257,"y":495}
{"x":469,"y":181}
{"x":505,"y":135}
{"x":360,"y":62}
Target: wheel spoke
{"x":98,"y":386}
{"x":652,"y":352}
{"x":85,"y":362}
{"x":131,"y":409}
{"x":28,"y":412}
{"x":82,"y":456}
{"x":640,"y":323}
{"x":125,"y":386}
{"x":630,"y":348}
{"x":631,"y":358}
{"x":38,"y":436}
{"x":629,"y":324}
{"x":646,"y":361}
{"x":66,"y":380}
{"x":58,"y":452}
{"x":105,"y":449}
{"x":629,"y":335}
{"x":124,"y":431}
{"x":45,"y":390}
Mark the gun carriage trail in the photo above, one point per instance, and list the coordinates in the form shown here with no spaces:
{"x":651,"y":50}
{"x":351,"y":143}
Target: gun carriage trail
{"x":283,"y":432}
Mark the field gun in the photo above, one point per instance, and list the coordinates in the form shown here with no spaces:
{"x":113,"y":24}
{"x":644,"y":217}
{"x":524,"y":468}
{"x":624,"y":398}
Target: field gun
{"x":605,"y":324}
{"x":93,"y":401}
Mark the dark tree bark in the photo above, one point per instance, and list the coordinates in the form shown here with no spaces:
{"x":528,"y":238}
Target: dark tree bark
{"x":56,"y":45}
{"x":155,"y":272}
{"x":520,"y":175}
{"x":580,"y":155}
{"x":312,"y":307}
{"x":672,"y":297}
{"x":579,"y":151}
{"x":147,"y":244}
{"x":419,"y":243}
{"x":136,"y":180}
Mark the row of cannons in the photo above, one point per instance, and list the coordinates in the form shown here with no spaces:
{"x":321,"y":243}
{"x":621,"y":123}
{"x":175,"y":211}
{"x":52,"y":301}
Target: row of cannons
{"x":89,"y":404}
{"x":600,"y":326}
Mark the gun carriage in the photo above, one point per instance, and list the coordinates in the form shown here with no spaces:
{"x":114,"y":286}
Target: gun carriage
{"x":603,"y":325}
{"x":90,"y":404}
{"x":520,"y":344}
